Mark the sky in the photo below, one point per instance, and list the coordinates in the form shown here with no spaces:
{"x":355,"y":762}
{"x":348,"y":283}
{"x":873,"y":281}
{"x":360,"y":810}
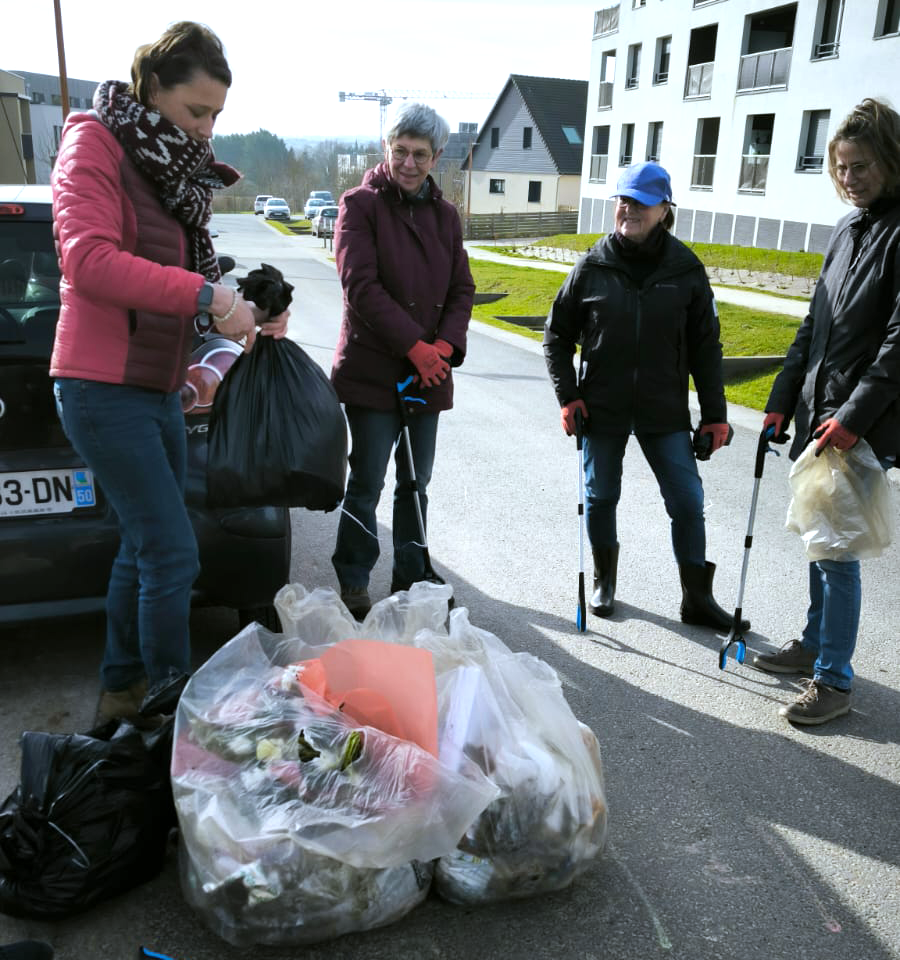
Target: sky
{"x":290,"y":60}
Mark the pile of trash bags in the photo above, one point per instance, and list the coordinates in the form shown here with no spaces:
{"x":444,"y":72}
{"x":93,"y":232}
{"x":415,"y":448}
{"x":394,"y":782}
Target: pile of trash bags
{"x":326,"y":778}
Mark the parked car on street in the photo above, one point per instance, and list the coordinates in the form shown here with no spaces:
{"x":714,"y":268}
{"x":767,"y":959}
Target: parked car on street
{"x":312,"y":205}
{"x":322,"y":223}
{"x":276,"y":208}
{"x":259,"y":204}
{"x":58,"y":534}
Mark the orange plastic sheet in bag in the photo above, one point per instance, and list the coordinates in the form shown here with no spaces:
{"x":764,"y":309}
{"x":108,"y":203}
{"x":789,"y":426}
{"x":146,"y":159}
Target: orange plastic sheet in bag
{"x":384,"y":685}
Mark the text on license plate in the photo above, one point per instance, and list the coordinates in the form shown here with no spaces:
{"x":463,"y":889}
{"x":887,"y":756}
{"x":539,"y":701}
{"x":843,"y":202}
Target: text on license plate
{"x":46,"y":491}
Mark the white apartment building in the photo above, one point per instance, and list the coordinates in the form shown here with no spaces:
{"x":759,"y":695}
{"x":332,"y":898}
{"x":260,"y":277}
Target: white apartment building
{"x":737,"y":99}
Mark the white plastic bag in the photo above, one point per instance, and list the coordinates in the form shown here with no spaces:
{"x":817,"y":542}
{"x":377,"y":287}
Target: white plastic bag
{"x":297,"y":823}
{"x":506,"y":712}
{"x":841,"y":504}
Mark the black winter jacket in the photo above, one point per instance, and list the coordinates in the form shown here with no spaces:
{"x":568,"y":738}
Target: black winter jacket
{"x":641,"y":340}
{"x":845,"y":360}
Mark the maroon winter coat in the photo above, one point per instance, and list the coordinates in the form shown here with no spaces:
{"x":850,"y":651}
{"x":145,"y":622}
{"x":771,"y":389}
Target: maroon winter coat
{"x":405,"y":277}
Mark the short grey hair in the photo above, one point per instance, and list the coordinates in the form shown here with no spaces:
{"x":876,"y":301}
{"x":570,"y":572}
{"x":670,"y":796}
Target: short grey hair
{"x":413,"y":119}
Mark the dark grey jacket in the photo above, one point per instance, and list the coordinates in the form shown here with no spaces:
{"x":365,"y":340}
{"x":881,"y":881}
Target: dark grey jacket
{"x":642,"y":340}
{"x":845,"y":360}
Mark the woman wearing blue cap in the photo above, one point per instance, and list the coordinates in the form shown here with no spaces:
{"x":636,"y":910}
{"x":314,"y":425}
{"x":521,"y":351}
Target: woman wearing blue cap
{"x":640,"y":303}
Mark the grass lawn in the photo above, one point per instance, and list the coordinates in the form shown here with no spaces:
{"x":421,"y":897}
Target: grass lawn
{"x":744,"y":332}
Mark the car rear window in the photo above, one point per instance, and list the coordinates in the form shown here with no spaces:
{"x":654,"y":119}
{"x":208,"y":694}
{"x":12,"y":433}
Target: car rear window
{"x":29,"y":284}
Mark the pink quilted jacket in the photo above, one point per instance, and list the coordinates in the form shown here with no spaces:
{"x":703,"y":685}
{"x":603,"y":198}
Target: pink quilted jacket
{"x":128,"y":300}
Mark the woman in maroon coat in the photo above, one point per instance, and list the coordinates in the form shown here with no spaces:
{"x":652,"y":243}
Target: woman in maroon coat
{"x":408,"y":298}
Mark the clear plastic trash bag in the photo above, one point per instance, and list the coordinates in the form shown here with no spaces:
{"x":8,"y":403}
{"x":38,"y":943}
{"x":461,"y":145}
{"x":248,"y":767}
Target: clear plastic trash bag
{"x":506,"y":712}
{"x":298,"y":824}
{"x":841,"y":504}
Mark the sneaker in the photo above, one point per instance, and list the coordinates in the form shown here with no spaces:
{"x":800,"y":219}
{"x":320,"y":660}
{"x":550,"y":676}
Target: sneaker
{"x":818,"y":703}
{"x":356,"y":600}
{"x":793,"y":657}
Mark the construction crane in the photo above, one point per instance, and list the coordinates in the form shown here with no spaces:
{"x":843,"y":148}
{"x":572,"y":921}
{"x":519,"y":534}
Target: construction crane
{"x":385,"y":98}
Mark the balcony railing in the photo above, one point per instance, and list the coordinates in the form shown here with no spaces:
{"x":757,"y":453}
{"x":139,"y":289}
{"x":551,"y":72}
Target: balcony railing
{"x":811,"y":163}
{"x":763,"y":70}
{"x":606,"y":21}
{"x":661,"y":76}
{"x":599,"y":166}
{"x":698,"y":82}
{"x":625,"y":160}
{"x":631,"y":83}
{"x":703,"y":169}
{"x":604,"y":98}
{"x":826,"y":50}
{"x":754,"y":171}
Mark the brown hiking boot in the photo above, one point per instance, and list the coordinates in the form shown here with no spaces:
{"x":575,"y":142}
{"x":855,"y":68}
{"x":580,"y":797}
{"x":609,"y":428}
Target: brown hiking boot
{"x":356,"y":600}
{"x":121,"y":704}
{"x":793,"y":657}
{"x":818,"y":703}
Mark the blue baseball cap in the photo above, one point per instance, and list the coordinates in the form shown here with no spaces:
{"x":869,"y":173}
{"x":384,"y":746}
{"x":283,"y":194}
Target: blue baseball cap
{"x":648,"y":183}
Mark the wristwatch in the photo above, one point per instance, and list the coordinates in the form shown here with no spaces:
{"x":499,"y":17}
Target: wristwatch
{"x":205,"y":298}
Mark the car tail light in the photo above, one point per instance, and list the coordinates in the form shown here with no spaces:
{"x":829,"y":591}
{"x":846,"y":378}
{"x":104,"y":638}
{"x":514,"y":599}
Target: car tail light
{"x":11,"y":210}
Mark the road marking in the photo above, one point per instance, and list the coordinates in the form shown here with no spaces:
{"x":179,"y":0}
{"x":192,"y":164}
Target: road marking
{"x":663,"y":723}
{"x":661,"y":935}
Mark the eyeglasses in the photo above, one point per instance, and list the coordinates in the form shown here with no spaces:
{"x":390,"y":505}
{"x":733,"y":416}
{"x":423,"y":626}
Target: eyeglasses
{"x":420,"y":157}
{"x":860,"y":169}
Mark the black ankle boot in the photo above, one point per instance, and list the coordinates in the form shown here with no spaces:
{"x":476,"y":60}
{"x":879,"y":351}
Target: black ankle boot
{"x":606,"y":560}
{"x":698,"y":606}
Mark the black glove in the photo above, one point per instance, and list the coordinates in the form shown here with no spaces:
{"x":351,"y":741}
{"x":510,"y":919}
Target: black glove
{"x":703,"y":442}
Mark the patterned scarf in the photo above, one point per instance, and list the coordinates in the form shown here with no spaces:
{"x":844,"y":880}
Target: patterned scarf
{"x":183,"y":170}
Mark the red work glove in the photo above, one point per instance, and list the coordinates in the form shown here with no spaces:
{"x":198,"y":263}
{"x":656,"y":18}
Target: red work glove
{"x":444,"y":349}
{"x":831,"y":432}
{"x":718,"y":432}
{"x":567,"y":415}
{"x":430,"y":365}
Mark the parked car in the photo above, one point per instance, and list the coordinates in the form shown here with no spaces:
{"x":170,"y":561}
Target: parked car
{"x":322,"y":223}
{"x":259,"y":204}
{"x":58,"y":535}
{"x":276,"y":208}
{"x":312,"y":205}
{"x":321,"y":195}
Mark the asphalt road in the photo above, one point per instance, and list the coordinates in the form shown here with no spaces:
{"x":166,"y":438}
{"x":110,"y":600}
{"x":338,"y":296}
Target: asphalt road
{"x":732,"y":835}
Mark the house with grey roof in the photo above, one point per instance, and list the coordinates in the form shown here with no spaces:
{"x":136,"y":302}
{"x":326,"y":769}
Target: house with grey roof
{"x":528,"y":155}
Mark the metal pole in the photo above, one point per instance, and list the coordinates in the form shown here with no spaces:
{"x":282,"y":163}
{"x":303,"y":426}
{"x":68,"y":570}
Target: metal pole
{"x":61,"y":51}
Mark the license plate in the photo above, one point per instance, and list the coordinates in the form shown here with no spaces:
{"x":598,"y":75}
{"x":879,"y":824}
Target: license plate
{"x":46,"y":492}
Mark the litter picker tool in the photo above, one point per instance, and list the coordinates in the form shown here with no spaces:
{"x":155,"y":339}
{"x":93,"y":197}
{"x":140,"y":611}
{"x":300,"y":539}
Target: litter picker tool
{"x":735,"y":635}
{"x":402,"y":400}
{"x":581,"y":613}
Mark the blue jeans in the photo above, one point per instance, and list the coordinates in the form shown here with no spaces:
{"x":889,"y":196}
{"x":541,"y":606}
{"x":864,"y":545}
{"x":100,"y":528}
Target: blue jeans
{"x":832,"y":620}
{"x":671,"y":458}
{"x":134,"y":442}
{"x":373,"y":435}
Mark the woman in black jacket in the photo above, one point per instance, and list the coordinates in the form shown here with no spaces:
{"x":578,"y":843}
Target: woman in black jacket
{"x":641,"y":303}
{"x":841,"y":381}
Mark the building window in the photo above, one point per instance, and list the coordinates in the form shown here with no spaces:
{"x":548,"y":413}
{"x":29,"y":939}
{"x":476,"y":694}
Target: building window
{"x":637,"y":4}
{"x":56,"y":99}
{"x":38,"y":97}
{"x":572,"y":136}
{"x":599,"y":154}
{"x":606,"y":21}
{"x":706,"y":144}
{"x":701,"y":59}
{"x":497,"y":186}
{"x":661,"y":64}
{"x":526,"y":138}
{"x":813,"y":140}
{"x":495,"y":137}
{"x":888,"y":18}
{"x":534,"y":191}
{"x":654,"y":141}
{"x":627,"y":144}
{"x":755,"y":156}
{"x":633,"y":70}
{"x":607,"y":79}
{"x":828,"y":28}
{"x":769,"y":39}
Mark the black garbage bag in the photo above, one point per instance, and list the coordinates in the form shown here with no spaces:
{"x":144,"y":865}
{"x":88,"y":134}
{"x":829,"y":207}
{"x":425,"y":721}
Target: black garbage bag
{"x":91,"y":815}
{"x":267,"y":288}
{"x":277,"y":434}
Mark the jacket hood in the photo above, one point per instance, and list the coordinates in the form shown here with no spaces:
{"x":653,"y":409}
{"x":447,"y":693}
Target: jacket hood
{"x":678,"y":258}
{"x":379,"y":178}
